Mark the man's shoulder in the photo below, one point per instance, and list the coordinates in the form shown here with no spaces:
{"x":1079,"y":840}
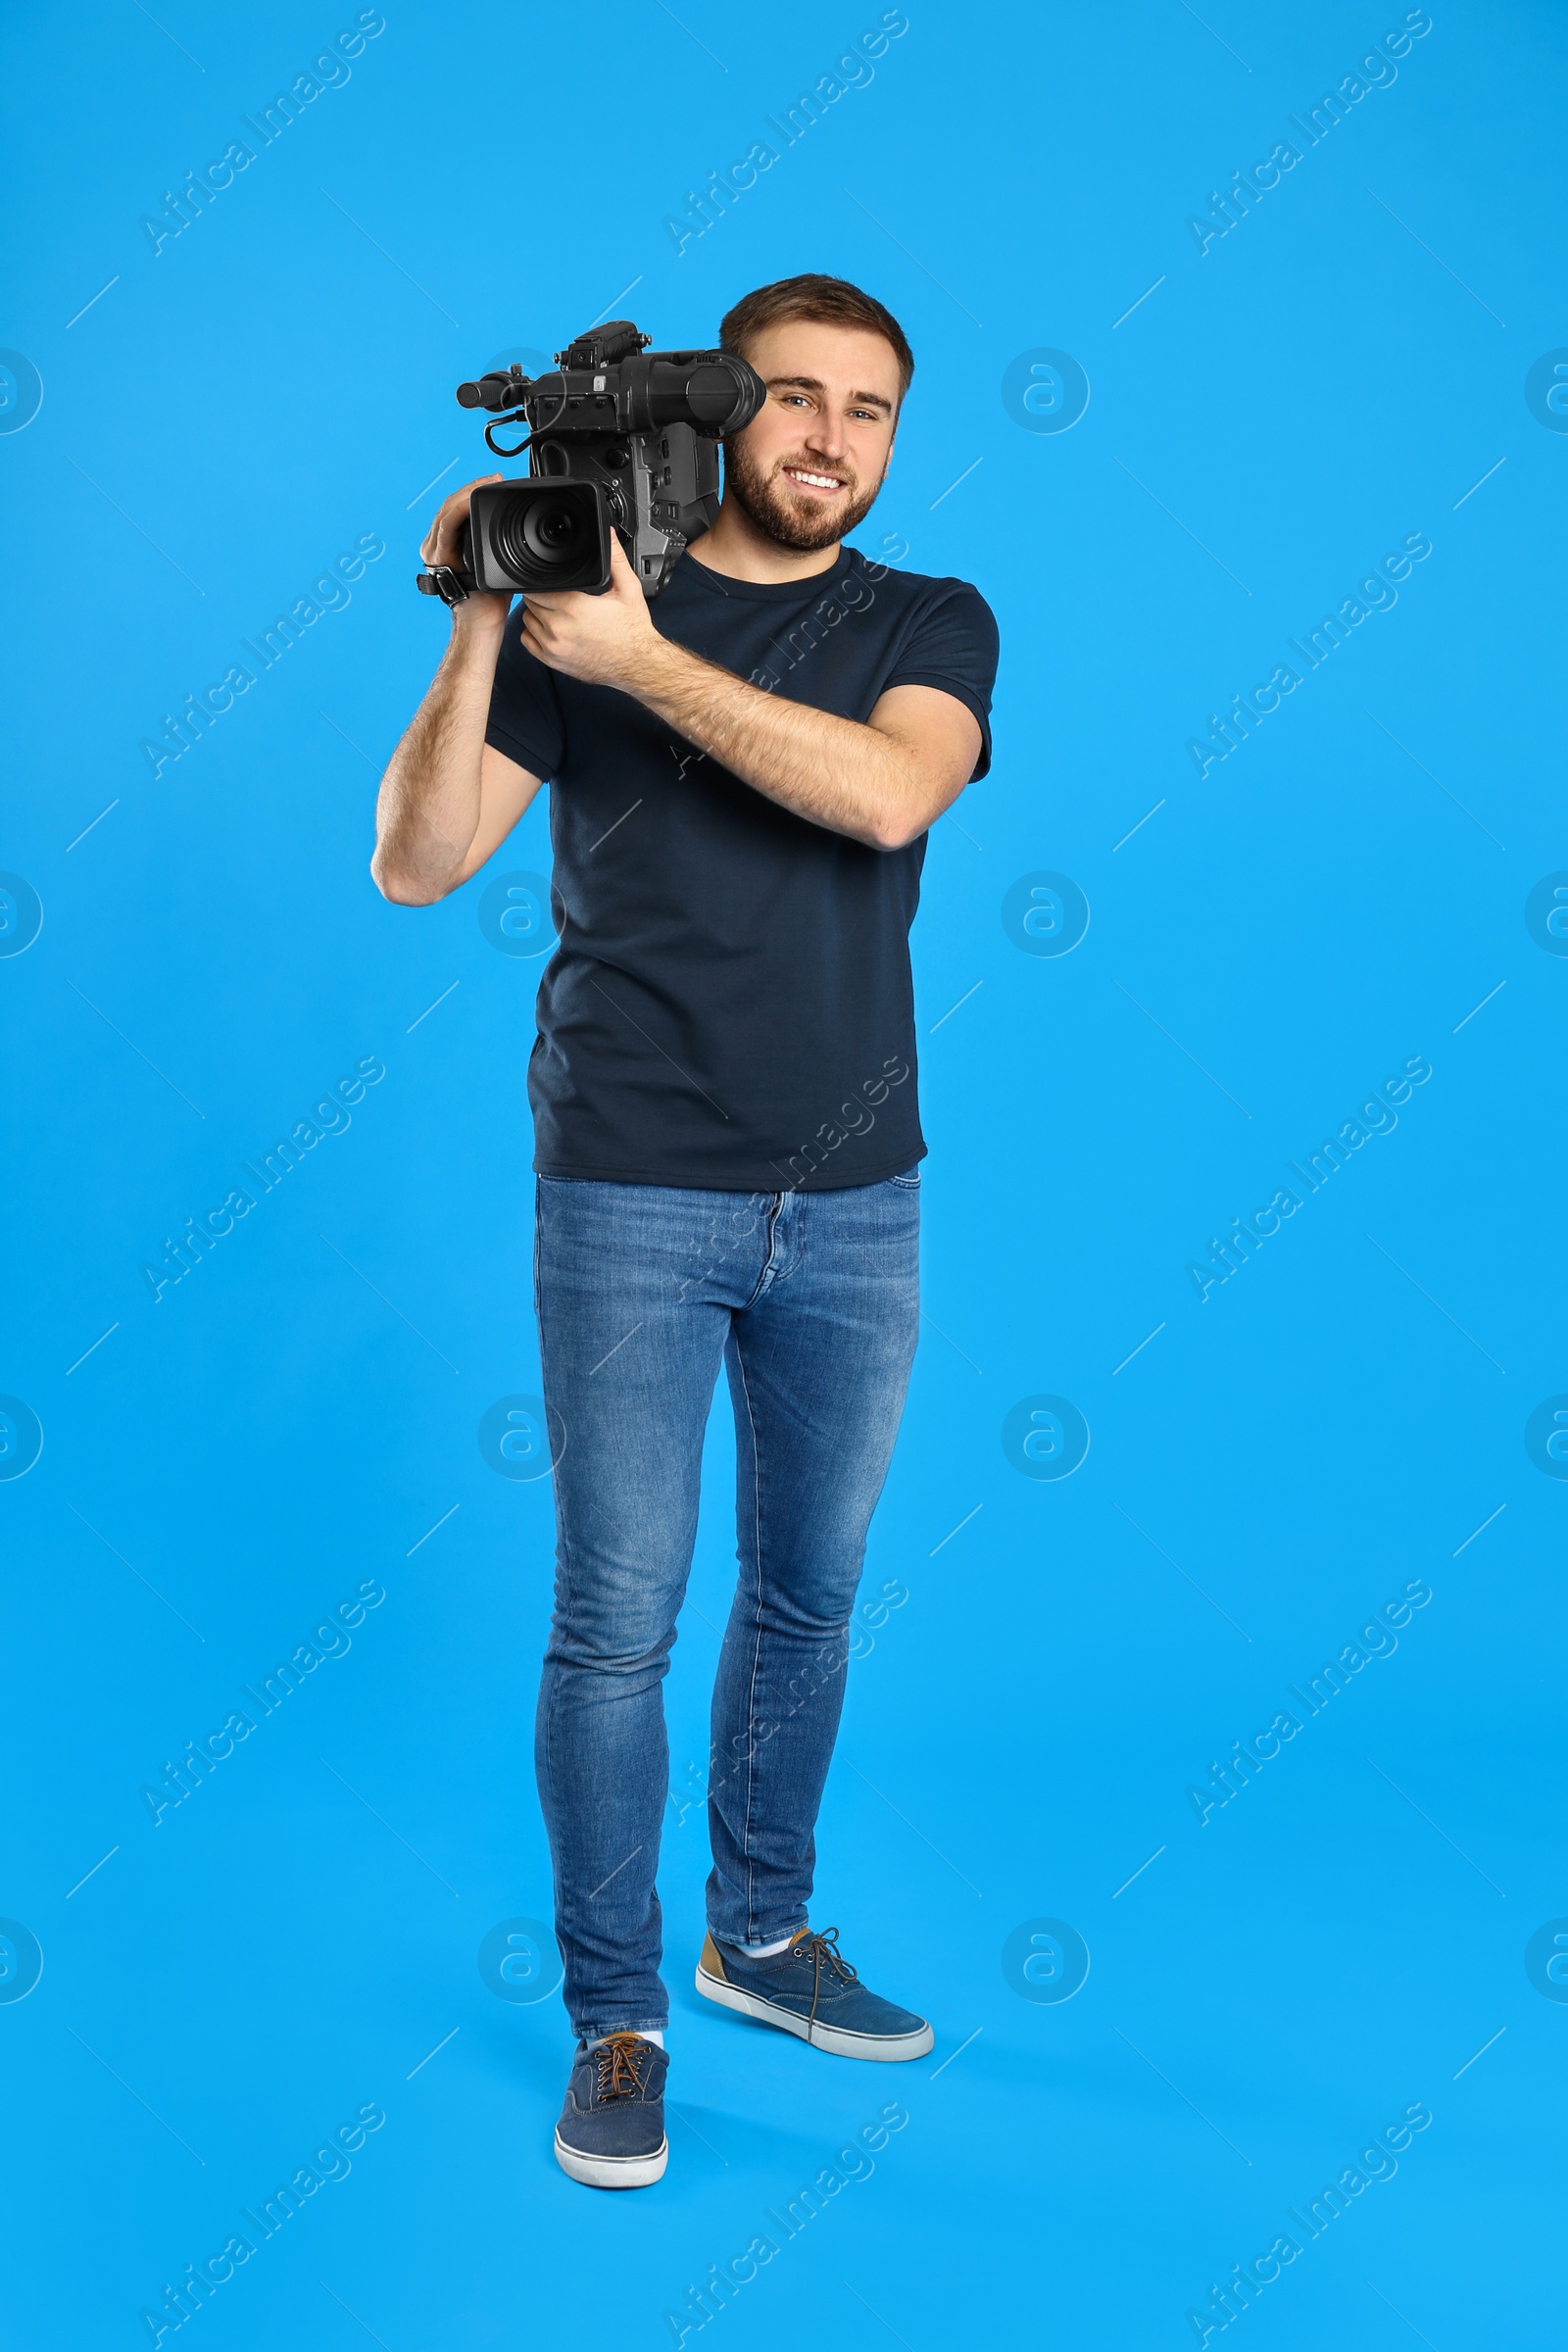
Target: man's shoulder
{"x":917,"y":591}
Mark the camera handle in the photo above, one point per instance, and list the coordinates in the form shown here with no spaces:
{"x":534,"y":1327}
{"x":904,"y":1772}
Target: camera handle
{"x":495,"y":447}
{"x":510,"y":417}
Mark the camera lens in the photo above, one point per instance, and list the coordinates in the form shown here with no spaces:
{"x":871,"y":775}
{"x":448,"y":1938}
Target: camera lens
{"x":533,"y":535}
{"x":553,"y":530}
{"x":547,"y":535}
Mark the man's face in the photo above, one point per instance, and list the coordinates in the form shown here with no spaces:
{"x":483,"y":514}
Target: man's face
{"x":808,"y":466}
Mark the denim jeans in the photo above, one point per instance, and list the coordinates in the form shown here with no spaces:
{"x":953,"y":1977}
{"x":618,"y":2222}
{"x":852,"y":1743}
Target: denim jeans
{"x":812,"y":1301}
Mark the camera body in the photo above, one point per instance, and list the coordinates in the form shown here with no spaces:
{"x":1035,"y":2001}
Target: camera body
{"x":620,"y":439}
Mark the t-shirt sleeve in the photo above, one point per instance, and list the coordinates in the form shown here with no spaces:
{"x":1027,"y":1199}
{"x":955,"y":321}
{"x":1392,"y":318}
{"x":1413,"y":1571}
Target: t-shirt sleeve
{"x":954,"y":645}
{"x":525,"y":720}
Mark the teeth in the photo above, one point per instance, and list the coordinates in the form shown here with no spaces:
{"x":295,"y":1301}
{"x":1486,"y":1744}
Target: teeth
{"x":819,"y":481}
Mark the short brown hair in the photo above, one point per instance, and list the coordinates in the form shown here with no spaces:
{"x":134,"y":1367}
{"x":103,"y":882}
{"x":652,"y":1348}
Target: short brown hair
{"x":827,"y":302}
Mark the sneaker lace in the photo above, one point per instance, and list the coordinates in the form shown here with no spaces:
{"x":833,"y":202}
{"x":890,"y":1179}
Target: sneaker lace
{"x":822,"y":1951}
{"x":619,"y":2056}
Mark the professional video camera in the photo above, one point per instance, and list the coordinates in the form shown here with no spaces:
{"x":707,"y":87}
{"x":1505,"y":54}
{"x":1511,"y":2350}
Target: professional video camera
{"x":621,"y":438}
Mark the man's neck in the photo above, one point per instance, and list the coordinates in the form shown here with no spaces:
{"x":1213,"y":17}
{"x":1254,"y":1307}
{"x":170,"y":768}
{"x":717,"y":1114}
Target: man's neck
{"x":737,"y":548}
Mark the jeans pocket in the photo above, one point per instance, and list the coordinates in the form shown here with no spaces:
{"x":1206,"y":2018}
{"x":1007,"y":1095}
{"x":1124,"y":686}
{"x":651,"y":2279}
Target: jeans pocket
{"x":908,"y":1182}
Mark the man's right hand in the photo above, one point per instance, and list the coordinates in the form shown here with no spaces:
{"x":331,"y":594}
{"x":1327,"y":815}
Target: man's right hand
{"x":443,"y":544}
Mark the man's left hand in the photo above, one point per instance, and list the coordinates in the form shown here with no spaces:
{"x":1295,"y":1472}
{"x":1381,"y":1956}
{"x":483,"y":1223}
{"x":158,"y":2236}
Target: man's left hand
{"x":605,"y":640}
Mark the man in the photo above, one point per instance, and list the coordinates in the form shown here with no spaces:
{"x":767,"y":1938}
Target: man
{"x":742,"y":779}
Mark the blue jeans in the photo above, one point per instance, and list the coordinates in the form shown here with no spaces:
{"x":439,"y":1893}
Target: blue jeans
{"x":811,"y":1301}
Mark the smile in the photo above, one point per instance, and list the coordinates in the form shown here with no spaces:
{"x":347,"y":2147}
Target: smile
{"x":811,"y":481}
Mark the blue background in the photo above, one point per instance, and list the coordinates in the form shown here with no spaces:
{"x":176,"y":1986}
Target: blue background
{"x":225,"y":1466}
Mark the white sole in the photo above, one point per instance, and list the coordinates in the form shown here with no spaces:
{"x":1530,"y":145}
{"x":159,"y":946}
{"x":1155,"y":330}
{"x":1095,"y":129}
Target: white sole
{"x":613,"y":2171}
{"x":885,"y":2048}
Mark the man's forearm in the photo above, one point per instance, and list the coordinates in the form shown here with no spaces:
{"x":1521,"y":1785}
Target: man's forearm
{"x":854,"y":779}
{"x":429,"y":809}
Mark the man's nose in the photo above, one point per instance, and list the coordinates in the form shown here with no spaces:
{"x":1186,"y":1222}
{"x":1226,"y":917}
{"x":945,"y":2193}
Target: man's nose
{"x":826,"y":438}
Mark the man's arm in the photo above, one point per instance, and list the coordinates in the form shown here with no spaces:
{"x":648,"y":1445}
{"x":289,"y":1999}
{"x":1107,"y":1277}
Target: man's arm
{"x":448,"y":798}
{"x":884,"y":783}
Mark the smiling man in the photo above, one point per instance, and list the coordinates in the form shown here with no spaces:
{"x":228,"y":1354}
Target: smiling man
{"x":727,"y":1144}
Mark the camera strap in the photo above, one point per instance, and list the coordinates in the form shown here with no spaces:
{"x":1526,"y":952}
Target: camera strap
{"x":439,"y":579}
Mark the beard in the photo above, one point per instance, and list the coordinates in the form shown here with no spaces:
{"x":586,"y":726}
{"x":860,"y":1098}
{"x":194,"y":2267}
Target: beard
{"x":790,"y":520}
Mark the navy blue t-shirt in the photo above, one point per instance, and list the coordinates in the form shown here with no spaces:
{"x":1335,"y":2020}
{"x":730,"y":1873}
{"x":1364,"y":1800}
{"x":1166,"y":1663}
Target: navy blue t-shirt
{"x":730,"y":1003}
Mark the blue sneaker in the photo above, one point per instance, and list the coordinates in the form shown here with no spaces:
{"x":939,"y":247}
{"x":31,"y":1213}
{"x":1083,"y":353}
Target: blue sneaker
{"x":811,"y":1990}
{"x":611,"y":2129}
